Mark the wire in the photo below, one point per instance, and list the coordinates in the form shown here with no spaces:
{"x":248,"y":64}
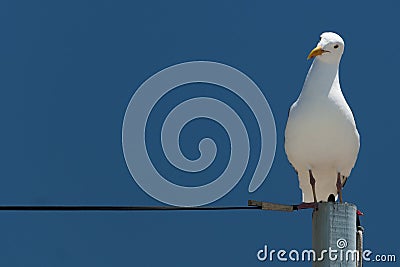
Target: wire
{"x":119,"y":208}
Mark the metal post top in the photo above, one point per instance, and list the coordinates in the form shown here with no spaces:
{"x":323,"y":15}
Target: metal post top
{"x":336,"y":206}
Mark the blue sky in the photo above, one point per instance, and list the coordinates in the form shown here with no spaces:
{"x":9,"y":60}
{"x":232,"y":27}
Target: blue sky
{"x":69,"y":70}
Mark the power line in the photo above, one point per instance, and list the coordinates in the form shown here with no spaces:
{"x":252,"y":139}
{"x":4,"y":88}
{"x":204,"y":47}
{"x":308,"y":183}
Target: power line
{"x":116,"y":208}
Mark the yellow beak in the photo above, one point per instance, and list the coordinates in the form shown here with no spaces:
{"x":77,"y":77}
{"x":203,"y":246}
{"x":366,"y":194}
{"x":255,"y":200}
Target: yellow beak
{"x":316,"y":52}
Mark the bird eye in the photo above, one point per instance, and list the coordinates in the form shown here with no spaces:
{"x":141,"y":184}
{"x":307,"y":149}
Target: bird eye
{"x":336,"y":46}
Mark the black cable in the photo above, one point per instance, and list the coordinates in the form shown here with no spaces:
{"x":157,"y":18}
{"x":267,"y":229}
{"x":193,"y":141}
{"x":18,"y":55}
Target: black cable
{"x":117,"y":208}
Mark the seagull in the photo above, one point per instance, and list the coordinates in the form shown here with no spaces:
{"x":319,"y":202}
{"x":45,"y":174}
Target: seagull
{"x":321,"y":137}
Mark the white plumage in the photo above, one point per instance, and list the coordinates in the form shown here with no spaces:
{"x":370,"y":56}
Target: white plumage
{"x":321,"y":133}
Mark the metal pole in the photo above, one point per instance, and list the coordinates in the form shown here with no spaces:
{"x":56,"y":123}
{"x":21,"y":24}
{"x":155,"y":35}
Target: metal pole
{"x":334,"y":235}
{"x":360,"y":248}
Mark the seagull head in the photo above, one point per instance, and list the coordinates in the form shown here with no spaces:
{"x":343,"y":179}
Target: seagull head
{"x":329,"y":48}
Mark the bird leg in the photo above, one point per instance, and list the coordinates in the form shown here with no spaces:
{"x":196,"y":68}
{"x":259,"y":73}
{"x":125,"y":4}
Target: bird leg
{"x":339,"y":187}
{"x":312,"y":182}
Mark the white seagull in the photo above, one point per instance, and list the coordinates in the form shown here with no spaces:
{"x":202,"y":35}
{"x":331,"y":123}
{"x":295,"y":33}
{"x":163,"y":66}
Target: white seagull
{"x":321,"y":138}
